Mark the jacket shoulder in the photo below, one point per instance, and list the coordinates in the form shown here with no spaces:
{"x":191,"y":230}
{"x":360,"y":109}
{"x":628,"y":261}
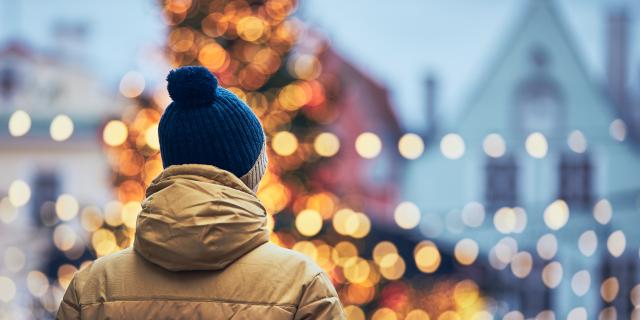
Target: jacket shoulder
{"x":287,"y":262}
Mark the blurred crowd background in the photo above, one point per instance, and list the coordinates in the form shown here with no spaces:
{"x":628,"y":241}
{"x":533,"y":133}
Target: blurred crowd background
{"x":438,"y":159}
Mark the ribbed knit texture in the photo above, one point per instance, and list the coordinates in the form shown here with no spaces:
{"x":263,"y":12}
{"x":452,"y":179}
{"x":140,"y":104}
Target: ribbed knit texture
{"x":225,"y":134}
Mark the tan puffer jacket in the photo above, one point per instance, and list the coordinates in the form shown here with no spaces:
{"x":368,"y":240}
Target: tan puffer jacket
{"x":201,"y":252}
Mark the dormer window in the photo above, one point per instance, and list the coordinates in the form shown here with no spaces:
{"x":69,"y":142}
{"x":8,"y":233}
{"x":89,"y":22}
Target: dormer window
{"x":576,"y":179}
{"x":501,"y":179}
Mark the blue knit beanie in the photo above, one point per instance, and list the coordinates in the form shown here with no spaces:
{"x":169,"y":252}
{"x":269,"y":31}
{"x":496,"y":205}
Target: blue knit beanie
{"x":208,"y":124}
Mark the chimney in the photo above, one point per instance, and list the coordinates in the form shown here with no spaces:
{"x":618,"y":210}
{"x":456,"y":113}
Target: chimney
{"x":617,"y":57}
{"x":431,"y":85}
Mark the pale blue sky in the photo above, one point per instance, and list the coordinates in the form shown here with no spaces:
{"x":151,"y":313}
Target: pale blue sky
{"x":396,"y":42}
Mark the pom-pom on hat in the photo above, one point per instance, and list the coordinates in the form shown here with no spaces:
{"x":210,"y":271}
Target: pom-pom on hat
{"x":208,"y":124}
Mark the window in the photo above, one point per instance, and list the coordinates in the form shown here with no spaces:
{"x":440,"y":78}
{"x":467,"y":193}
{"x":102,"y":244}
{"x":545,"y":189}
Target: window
{"x":576,"y":179}
{"x":46,"y":187}
{"x":501,"y":179}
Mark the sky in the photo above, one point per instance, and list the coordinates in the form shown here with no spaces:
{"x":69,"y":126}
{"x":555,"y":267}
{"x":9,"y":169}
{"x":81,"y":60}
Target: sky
{"x":398,"y":43}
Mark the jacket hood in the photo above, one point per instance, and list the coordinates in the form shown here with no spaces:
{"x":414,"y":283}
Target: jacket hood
{"x":199,"y":217}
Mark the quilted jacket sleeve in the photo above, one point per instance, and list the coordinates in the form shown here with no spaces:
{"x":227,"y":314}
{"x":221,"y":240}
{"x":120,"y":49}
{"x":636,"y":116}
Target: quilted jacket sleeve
{"x":70,"y":306}
{"x":319,"y":300}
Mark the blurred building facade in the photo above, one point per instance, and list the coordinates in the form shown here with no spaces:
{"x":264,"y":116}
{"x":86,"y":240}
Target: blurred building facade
{"x":53,"y":110}
{"x":542,"y":171}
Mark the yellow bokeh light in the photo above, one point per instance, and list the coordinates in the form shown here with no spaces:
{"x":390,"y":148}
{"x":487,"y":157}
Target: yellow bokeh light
{"x":343,"y":252}
{"x":37,"y":283}
{"x":466,"y":293}
{"x":407,"y":215}
{"x":354,"y":313}
{"x":393,"y":271}
{"x":132,"y":84}
{"x":19,"y":193}
{"x":151,"y":137}
{"x":368,"y":145}
{"x":383,"y":250}
{"x":417,"y":314}
{"x":326,"y":144}
{"x":7,"y":289}
{"x":536,"y":145}
{"x":309,"y":222}
{"x":552,"y":274}
{"x":284,"y":143}
{"x":104,"y":242}
{"x":61,"y":128}
{"x":609,"y":289}
{"x":505,"y":220}
{"x":307,"y":248}
{"x":556,"y":215}
{"x":64,"y":237}
{"x":251,"y":28}
{"x":213,"y":56}
{"x":357,"y":270}
{"x":494,"y":145}
{"x":411,"y":146}
{"x":384,"y":314}
{"x":19,"y":123}
{"x":521,"y":264}
{"x":130,"y":211}
{"x":466,"y":251}
{"x":115,"y":133}
{"x":616,"y":243}
{"x":91,"y":218}
{"x":580,"y":282}
{"x":427,"y":257}
{"x":452,"y":146}
{"x":67,"y":207}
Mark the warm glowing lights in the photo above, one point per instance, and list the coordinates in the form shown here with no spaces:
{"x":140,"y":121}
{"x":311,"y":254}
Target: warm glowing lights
{"x":384,"y":314}
{"x":7,"y":289}
{"x":616,"y":243}
{"x":411,"y":146}
{"x":618,"y":130}
{"x":8,"y":211}
{"x":19,"y":123}
{"x":505,"y":220}
{"x":452,"y":146}
{"x":326,"y":144}
{"x":579,"y":313}
{"x":115,"y":133}
{"x":61,"y":128}
{"x":494,"y":145}
{"x":357,"y":270}
{"x":521,"y":264}
{"x":368,"y":145}
{"x":580,"y":282}
{"x":14,"y":259}
{"x":603,"y":211}
{"x":284,"y":143}
{"x":556,"y":215}
{"x":466,"y":293}
{"x":588,"y":243}
{"x":354,"y":313}
{"x":305,"y":66}
{"x":309,"y":222}
{"x":473,"y":214}
{"x":392,"y":267}
{"x":104,"y":242}
{"x":37,"y":283}
{"x":385,"y":253}
{"x":130,"y":211}
{"x":552,"y":274}
{"x":64,"y":237}
{"x":547,"y":246}
{"x":466,"y":251}
{"x":536,"y":145}
{"x":91,"y":218}
{"x":151,"y":137}
{"x":213,"y":56}
{"x":407,"y":215}
{"x":19,"y":193}
{"x":427,"y":256}
{"x":251,"y":28}
{"x":609,"y":289}
{"x":635,"y":296}
{"x":132,"y":84}
{"x":67,"y":207}
{"x":577,"y":141}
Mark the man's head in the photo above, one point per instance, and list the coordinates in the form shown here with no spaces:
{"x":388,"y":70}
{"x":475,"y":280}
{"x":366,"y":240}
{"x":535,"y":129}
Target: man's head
{"x":207,"y":124}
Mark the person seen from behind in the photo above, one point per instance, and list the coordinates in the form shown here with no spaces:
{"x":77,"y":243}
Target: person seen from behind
{"x":202,"y":249}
